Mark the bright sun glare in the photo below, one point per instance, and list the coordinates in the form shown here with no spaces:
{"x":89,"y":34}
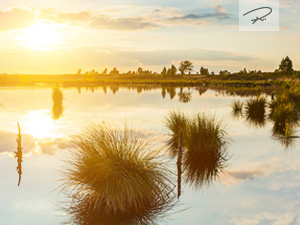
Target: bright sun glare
{"x":41,"y":36}
{"x":39,"y":124}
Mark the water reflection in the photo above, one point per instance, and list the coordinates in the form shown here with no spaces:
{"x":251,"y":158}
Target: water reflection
{"x":19,"y":154}
{"x":163,"y":92}
{"x":204,"y":143}
{"x":116,"y":177}
{"x":114,"y":89}
{"x":184,"y":96}
{"x":255,"y":110}
{"x":57,"y":109}
{"x":201,"y":90}
{"x":172,"y":92}
{"x":284,"y":114}
{"x":237,"y":108}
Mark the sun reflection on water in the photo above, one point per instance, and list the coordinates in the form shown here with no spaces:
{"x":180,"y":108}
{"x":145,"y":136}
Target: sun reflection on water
{"x":39,"y":124}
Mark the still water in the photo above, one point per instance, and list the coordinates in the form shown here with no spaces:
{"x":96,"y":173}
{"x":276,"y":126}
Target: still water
{"x":259,"y":185}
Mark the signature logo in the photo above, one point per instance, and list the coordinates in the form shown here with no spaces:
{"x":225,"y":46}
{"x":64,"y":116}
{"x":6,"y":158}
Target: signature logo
{"x":262,"y":18}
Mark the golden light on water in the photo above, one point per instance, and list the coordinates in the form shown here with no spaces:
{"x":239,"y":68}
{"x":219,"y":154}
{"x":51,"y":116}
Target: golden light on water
{"x":39,"y":124}
{"x":40,"y":37}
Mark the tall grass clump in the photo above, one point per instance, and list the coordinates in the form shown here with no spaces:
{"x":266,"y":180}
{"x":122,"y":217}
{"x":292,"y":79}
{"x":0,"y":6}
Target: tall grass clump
{"x":115,"y":177}
{"x":175,"y":122}
{"x":284,"y":118}
{"x":285,"y":114}
{"x":237,"y":108}
{"x":255,"y":110}
{"x":204,"y":143}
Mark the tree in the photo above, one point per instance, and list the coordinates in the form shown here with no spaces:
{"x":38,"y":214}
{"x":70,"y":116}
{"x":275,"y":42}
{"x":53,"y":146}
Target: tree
{"x":225,"y":72}
{"x":173,"y":70}
{"x":140,"y":71}
{"x":104,"y":71}
{"x":186,"y":66}
{"x":164,"y":72}
{"x":79,"y":72}
{"x":169,"y":72}
{"x":114,"y":71}
{"x":204,"y":71}
{"x":286,"y":66}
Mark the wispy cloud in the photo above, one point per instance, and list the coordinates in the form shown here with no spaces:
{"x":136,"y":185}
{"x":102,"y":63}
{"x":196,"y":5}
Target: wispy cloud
{"x":251,"y":171}
{"x":129,"y":24}
{"x":66,"y":60}
{"x":220,"y":13}
{"x":78,"y":18}
{"x":166,"y":56}
{"x":116,"y":20}
{"x":31,"y":146}
{"x":126,"y":20}
{"x":15,"y":18}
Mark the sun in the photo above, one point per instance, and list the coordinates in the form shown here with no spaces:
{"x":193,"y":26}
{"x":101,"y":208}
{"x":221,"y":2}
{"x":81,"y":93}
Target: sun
{"x":41,"y":36}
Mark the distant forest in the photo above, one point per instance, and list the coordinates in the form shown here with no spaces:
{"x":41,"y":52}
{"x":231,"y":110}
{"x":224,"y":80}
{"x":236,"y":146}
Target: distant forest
{"x":186,"y":67}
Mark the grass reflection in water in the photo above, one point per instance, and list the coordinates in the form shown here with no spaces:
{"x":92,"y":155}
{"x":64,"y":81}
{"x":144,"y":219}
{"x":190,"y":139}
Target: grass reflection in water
{"x":204,"y":142}
{"x":115,"y":177}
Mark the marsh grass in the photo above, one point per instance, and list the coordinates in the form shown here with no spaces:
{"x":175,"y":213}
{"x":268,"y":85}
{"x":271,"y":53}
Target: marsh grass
{"x":285,"y":114}
{"x":286,"y":136}
{"x":237,"y":108}
{"x":255,"y":111}
{"x":284,"y":118}
{"x":204,"y":143}
{"x":115,"y":177}
{"x":175,"y":122}
{"x":206,"y":153}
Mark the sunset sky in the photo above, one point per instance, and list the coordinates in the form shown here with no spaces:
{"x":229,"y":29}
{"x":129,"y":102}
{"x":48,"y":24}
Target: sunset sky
{"x":60,"y":36}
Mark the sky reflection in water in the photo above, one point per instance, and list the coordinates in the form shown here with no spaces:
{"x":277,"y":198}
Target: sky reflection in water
{"x":260,"y":184}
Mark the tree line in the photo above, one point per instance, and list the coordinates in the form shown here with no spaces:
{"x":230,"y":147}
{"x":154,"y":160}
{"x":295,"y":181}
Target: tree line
{"x":186,"y":67}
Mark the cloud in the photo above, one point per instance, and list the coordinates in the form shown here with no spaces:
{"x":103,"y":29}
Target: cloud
{"x":250,"y":171}
{"x":50,"y":146}
{"x":95,"y":21}
{"x":30,"y":145}
{"x":220,"y":14}
{"x":166,"y":56}
{"x":76,"y":18}
{"x":232,"y":177}
{"x":9,"y":145}
{"x":68,"y":60}
{"x":129,"y":24}
{"x":125,"y":20}
{"x":139,"y":20}
{"x":16,"y":18}
{"x":265,"y":217}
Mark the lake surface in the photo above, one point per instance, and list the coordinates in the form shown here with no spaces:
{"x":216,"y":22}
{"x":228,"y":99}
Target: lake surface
{"x":259,"y":185}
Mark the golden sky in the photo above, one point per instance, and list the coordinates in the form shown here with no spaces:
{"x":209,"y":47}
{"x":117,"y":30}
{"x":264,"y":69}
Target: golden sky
{"x":62,"y":36}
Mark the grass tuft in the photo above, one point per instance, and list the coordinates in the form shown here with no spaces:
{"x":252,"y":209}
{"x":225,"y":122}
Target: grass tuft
{"x":237,"y":108}
{"x":115,"y":177}
{"x":204,"y":143}
{"x":255,"y":111}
